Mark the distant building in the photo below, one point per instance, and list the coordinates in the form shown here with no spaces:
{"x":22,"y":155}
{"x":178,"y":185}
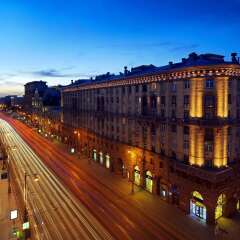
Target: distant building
{"x":30,"y":89}
{"x":12,"y":101}
{"x":172,"y":130}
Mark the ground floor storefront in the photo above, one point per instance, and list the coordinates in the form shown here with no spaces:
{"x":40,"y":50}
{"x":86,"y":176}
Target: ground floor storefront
{"x":154,"y":173}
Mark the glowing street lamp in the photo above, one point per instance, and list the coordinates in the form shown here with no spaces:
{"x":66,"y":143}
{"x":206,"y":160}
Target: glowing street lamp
{"x":132,"y":157}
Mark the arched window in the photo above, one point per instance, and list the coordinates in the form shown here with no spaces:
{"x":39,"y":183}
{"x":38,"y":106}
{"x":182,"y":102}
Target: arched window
{"x":137,"y":175}
{"x":107,"y":161}
{"x":197,"y":195}
{"x":197,"y":208}
{"x":149,"y":181}
{"x":101,"y":157}
{"x":219,"y":208}
{"x":94,"y":154}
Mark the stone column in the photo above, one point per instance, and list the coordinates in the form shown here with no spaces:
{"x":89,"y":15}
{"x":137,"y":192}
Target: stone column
{"x":210,"y":215}
{"x":196,"y":97}
{"x":230,"y":208}
{"x":222,"y":96}
{"x":220,"y":147}
{"x":155,"y":184}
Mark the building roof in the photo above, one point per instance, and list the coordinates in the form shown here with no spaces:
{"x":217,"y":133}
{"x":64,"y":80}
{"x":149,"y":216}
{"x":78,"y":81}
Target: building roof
{"x":35,"y":82}
{"x":193,"y":60}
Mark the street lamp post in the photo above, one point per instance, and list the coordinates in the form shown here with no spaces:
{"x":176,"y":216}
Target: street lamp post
{"x":132,"y":156}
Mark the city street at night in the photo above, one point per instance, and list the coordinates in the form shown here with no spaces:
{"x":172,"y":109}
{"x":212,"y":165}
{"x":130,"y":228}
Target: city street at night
{"x":122,"y":221}
{"x":55,"y":212}
{"x":119,"y":120}
{"x":124,"y":215}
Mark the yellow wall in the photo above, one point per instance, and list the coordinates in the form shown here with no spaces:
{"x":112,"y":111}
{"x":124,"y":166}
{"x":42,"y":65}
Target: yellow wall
{"x":222,"y":96}
{"x":220,"y":147}
{"x":196,"y":146}
{"x":196,"y":97}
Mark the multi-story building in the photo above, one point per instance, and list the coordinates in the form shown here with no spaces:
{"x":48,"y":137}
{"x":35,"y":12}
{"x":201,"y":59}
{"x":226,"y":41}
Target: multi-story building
{"x":173,"y":130}
{"x":30,"y":90}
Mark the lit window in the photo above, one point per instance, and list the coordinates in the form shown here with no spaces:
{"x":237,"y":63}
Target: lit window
{"x":209,"y":83}
{"x":186,"y":84}
{"x":174,"y":87}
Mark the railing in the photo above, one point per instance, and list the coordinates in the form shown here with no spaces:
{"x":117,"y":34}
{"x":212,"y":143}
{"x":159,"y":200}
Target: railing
{"x":213,"y":121}
{"x":212,"y":175}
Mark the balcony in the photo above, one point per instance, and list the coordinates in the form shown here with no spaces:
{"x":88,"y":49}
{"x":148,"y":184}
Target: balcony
{"x":210,"y":122}
{"x":209,"y":174}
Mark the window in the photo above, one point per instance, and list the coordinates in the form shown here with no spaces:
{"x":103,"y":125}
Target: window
{"x":186,"y":130}
{"x":186,"y":100}
{"x":238,"y":114}
{"x":153,"y":130}
{"x":153,"y":102}
{"x":209,"y":134}
{"x":173,"y":113}
{"x":186,"y":84}
{"x":129,"y":89}
{"x":186,"y":114}
{"x":162,"y":113}
{"x":209,"y":101}
{"x":185,"y":158}
{"x":208,"y":147}
{"x":238,"y":100}
{"x":123,"y":90}
{"x":154,"y":86}
{"x":163,"y":100}
{"x":238,"y":84}
{"x":186,"y":144}
{"x":174,"y":87}
{"x":174,"y":156}
{"x":209,"y":83}
{"x":174,"y":100}
{"x":144,"y":88}
{"x":229,"y":83}
{"x":174,"y":128}
{"x":229,"y":99}
{"x":136,"y":88}
{"x":229,"y":131}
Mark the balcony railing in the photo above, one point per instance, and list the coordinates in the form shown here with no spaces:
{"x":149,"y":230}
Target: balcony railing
{"x":211,"y":174}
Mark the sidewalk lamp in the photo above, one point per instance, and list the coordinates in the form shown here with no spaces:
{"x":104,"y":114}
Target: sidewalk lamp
{"x":132,"y":157}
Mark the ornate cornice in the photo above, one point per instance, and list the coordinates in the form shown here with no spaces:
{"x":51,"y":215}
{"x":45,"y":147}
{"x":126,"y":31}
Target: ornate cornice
{"x":223,"y":70}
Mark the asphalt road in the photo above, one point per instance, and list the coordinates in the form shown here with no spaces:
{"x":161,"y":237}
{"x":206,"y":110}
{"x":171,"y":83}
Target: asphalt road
{"x":58,"y":213}
{"x":122,"y":221}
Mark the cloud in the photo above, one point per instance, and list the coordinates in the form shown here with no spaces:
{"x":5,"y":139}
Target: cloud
{"x":54,"y":73}
{"x":11,"y":83}
{"x":5,"y":76}
{"x":50,"y":73}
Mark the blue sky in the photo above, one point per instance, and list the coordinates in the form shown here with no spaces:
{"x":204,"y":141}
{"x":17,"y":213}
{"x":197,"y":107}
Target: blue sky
{"x":57,"y":41}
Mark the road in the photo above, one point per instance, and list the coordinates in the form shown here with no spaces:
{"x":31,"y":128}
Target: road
{"x":122,"y":220}
{"x":57,"y":211}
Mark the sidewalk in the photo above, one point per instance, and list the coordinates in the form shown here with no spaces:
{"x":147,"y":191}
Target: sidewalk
{"x":168,"y":216}
{"x":7,"y":203}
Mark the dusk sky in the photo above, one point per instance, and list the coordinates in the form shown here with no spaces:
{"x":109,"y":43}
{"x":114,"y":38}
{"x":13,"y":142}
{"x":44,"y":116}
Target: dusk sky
{"x":57,"y":41}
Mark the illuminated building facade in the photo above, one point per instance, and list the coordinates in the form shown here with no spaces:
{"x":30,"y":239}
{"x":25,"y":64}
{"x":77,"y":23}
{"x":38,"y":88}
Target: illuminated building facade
{"x":173,"y":130}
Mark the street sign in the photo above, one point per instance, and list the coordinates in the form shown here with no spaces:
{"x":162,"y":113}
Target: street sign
{"x":13,"y":214}
{"x":25,"y":225}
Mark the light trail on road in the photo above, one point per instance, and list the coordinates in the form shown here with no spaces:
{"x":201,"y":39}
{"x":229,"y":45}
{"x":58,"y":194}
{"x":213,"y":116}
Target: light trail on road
{"x":122,"y":218}
{"x":61,"y":215}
